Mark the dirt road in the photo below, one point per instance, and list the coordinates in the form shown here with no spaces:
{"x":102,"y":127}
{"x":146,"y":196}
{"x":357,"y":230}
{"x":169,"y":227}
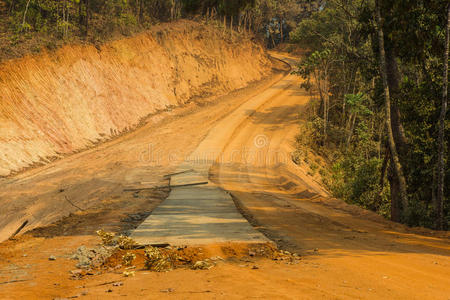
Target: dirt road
{"x":346,"y":252}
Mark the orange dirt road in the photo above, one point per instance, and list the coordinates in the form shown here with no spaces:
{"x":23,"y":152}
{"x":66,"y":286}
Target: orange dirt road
{"x":347,"y":252}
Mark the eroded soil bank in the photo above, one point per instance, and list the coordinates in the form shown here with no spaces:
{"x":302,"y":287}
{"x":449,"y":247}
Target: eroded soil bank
{"x":58,"y":103}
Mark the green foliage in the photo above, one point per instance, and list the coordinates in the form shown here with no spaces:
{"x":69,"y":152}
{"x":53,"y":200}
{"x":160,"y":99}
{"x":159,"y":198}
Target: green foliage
{"x":356,"y":104}
{"x":314,"y":64}
{"x":61,"y":21}
{"x":356,"y":181}
{"x":342,"y":42}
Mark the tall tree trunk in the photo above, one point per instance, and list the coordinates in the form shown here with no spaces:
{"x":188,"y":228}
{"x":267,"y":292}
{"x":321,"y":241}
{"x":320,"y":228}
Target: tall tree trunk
{"x":439,"y":207}
{"x":392,"y":146}
{"x":393,"y":79}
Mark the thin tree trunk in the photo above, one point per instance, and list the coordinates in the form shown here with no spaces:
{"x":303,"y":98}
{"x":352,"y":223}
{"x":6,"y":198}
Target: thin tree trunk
{"x":327,"y":99}
{"x":384,"y":168}
{"x":439,"y":207}
{"x":352,"y":127}
{"x":224,"y":24}
{"x":323,"y":103}
{"x":64,"y":18}
{"x":63,"y":13}
{"x":11,"y":7}
{"x":394,"y":189}
{"x":231,"y":25}
{"x":324,"y":120}
{"x":67,"y":19}
{"x":392,"y":147}
{"x":244,"y":21}
{"x":239,"y":22}
{"x":25,"y":13}
{"x":80,"y":16}
{"x":172,"y":10}
{"x":86,"y":21}
{"x":343,"y":108}
{"x":434,"y":191}
{"x":141,"y":11}
{"x":281,"y":31}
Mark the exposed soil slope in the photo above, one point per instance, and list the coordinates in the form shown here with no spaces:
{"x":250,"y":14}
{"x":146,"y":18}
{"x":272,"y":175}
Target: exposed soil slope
{"x":57,"y":103}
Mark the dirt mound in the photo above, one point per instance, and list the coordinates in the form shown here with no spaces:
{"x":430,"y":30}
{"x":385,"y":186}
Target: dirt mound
{"x":195,"y":257}
{"x":57,"y":103}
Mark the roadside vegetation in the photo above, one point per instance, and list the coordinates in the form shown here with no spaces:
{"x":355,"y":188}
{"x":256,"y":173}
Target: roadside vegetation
{"x":28,"y":26}
{"x":380,"y":74}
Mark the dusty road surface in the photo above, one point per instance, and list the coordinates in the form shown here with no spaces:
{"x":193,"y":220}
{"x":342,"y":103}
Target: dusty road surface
{"x":346,"y":252}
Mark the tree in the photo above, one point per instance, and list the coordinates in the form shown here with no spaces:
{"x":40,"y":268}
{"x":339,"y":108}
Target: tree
{"x":439,"y":206}
{"x":392,"y":146}
{"x":317,"y":67}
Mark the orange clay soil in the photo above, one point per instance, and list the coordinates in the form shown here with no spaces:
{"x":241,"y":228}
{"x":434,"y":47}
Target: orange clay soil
{"x":346,"y":252}
{"x":57,"y":103}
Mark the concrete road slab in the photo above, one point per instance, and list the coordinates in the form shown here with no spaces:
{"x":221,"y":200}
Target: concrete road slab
{"x":196,"y":229}
{"x":194,"y":193}
{"x":196,"y":215}
{"x":187,"y":178}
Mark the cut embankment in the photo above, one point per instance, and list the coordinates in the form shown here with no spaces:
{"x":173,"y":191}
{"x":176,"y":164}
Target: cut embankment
{"x":57,"y":103}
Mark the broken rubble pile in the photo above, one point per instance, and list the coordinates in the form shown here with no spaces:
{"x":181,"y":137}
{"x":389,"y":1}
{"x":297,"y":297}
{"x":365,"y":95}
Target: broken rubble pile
{"x":91,"y":257}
